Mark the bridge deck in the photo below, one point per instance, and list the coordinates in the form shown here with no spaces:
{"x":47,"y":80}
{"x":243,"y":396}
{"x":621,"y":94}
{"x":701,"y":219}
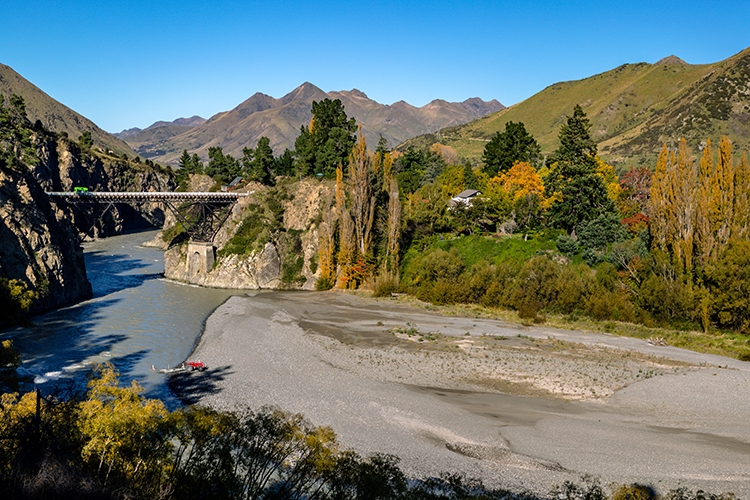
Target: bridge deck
{"x":146,"y":196}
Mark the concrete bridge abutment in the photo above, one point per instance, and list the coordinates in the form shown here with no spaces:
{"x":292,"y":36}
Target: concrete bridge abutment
{"x":200,"y":257}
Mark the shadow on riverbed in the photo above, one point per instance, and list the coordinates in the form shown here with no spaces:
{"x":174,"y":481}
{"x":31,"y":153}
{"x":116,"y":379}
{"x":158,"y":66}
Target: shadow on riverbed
{"x":191,"y":386}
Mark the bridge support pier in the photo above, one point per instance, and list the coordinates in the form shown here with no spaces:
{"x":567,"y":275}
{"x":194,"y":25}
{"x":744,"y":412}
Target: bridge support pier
{"x":200,"y":257}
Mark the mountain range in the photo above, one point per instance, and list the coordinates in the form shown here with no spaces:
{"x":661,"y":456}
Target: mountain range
{"x":634,"y":110}
{"x":280,"y":120}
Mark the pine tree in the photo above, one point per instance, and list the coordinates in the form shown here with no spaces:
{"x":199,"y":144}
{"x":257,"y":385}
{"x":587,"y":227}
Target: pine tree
{"x":506,"y":148}
{"x":579,"y":193}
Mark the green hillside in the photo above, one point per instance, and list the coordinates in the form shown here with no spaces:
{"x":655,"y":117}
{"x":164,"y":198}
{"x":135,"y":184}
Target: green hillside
{"x":634,"y":109}
{"x":55,"y":116}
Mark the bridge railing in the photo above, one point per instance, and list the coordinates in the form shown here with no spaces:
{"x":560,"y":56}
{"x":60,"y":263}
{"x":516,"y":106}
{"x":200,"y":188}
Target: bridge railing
{"x":73,"y":196}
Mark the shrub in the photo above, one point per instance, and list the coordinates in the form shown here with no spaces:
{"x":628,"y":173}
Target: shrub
{"x":536,"y":286}
{"x":567,"y":245}
{"x":384,"y":286}
{"x":324,"y":283}
{"x":606,"y":276}
{"x":604,"y":304}
{"x":598,"y":232}
{"x":571,"y":288}
{"x":633,"y":492}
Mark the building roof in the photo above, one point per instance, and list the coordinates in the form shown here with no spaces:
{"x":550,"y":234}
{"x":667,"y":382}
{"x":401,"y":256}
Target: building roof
{"x":467,"y":193}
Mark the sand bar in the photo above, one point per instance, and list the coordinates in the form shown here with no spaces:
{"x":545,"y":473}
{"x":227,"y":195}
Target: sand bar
{"x":519,"y":407}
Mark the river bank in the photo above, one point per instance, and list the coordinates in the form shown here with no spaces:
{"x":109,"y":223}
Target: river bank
{"x":520,"y":407}
{"x":136,"y":319}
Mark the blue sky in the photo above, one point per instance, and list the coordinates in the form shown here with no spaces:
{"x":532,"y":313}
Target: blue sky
{"x":131,"y":63}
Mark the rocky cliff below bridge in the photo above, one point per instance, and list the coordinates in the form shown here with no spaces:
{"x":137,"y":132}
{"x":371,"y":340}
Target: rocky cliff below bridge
{"x":270,"y":240}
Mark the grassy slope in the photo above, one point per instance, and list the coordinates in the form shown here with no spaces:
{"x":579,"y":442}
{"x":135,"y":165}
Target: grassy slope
{"x":633,"y":109}
{"x":54,"y":115}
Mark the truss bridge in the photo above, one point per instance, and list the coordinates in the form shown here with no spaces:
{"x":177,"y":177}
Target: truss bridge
{"x":201,"y":214}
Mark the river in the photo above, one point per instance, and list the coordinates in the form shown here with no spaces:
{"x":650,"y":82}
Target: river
{"x":136,"y":320}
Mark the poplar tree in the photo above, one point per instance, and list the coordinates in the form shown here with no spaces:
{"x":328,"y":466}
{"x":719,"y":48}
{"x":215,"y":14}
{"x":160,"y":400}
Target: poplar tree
{"x":362,"y":200}
{"x":681,"y":231}
{"x":723,"y":197}
{"x":658,"y":200}
{"x":741,"y":211}
{"x":704,"y":207}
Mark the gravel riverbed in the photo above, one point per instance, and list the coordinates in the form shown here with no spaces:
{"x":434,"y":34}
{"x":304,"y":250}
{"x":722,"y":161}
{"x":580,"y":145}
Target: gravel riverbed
{"x":519,"y":407}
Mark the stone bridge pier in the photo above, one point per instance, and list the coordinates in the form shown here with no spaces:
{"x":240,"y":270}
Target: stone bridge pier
{"x":200,"y":257}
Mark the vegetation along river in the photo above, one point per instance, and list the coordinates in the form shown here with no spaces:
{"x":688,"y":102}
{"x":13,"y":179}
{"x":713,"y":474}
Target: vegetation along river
{"x":135,"y":320}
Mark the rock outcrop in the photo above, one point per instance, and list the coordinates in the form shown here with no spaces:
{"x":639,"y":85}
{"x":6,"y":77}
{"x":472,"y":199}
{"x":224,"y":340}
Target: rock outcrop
{"x":286,"y":255}
{"x":63,"y":165}
{"x":39,"y":240}
{"x":38,"y":244}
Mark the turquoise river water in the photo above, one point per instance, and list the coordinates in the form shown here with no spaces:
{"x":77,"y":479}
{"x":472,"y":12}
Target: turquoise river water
{"x":136,"y":320}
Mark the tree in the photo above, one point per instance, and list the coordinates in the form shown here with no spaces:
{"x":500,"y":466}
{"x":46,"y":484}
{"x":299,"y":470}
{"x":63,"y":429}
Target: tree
{"x":521,"y":180}
{"x":116,"y":421}
{"x":362,"y":200}
{"x":704,"y":218}
{"x":85,"y":140}
{"x":259,"y":163}
{"x":220,"y":166}
{"x":635,"y":185}
{"x":729,"y":285}
{"x":418,"y":167}
{"x":184,"y":162}
{"x":512,"y":145}
{"x":578,"y":191}
{"x":681,"y":208}
{"x":284,"y":164}
{"x":741,"y":212}
{"x":327,"y":141}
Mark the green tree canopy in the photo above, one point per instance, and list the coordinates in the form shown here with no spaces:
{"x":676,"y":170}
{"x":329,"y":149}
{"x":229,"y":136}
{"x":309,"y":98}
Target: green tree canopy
{"x":221,"y":166}
{"x":508,"y":147}
{"x":418,"y":167}
{"x":580,"y":194}
{"x":327,"y":141}
{"x":258,"y":163}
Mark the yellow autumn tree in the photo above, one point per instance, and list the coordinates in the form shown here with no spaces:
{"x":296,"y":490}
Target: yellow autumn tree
{"x":673,"y":205}
{"x":741,"y":210}
{"x":608,"y":175}
{"x":723,"y":197}
{"x":521,"y":180}
{"x":326,"y":250}
{"x":451,"y":180}
{"x":704,"y":207}
{"x":658,"y":199}
{"x":362,"y":200}
{"x":116,"y":422}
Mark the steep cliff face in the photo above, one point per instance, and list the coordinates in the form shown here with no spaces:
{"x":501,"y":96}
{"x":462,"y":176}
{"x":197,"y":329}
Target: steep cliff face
{"x":270,"y":241}
{"x":63,"y":165}
{"x":40,"y":255}
{"x":38,"y":245}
